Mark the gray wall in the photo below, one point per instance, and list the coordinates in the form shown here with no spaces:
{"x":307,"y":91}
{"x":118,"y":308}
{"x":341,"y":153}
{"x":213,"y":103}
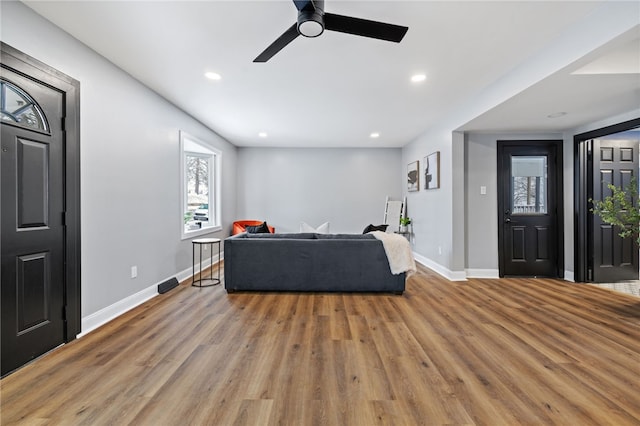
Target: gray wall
{"x":130,"y":182}
{"x":346,"y":187}
{"x":432,"y":210}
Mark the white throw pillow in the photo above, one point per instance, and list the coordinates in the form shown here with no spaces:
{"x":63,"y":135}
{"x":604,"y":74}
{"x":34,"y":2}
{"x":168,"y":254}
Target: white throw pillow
{"x":322,"y":229}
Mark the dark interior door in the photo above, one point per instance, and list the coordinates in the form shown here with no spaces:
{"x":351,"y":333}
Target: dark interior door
{"x":529,"y":194}
{"x":32,"y":221}
{"x":615,"y":161}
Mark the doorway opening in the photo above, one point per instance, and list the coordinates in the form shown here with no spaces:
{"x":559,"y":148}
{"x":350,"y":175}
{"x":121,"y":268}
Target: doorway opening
{"x":609,"y":155}
{"x":40,"y":209}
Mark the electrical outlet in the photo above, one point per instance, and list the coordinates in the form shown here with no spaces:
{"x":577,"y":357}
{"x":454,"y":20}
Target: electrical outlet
{"x":134,"y":271}
{"x":439,"y":250}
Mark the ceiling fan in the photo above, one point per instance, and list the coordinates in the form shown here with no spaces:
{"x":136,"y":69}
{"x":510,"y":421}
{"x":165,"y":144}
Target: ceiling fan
{"x":312,"y":21}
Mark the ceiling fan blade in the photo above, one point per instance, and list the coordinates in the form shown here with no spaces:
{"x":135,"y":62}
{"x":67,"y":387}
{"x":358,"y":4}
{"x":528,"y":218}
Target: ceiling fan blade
{"x":286,"y":38}
{"x":364,"y":27}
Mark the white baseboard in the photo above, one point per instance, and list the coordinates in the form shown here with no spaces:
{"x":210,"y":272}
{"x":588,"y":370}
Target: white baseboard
{"x":468,"y":273}
{"x":103,"y":316}
{"x":483,"y":273}
{"x":494,"y":273}
{"x":436,"y":267}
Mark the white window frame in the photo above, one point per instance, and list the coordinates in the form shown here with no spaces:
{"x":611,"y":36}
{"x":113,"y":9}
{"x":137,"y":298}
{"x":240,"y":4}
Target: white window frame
{"x":192,"y":145}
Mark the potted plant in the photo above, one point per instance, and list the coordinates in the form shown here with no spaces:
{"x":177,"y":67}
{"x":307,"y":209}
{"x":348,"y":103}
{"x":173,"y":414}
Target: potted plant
{"x":619,"y":209}
{"x":404,"y":222}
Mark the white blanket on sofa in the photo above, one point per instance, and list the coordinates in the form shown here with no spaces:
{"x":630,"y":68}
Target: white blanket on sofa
{"x":398,"y":252}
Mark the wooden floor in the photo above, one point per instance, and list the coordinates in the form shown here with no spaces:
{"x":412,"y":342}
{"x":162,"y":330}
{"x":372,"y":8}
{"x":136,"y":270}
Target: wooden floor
{"x":492,"y":352}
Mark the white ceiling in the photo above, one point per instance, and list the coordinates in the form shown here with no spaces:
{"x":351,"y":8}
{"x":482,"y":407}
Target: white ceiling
{"x":334,"y":90}
{"x":588,"y":90}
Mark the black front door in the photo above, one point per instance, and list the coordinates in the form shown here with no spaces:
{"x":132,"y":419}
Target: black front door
{"x":615,"y":161}
{"x":32,"y":219}
{"x":529,"y":208}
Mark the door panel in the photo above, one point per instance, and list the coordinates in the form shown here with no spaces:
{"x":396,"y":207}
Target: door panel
{"x":615,"y":161}
{"x":33,"y":232}
{"x":542,"y":243}
{"x":33,"y":183}
{"x":517,"y":243}
{"x":528,"y":191}
{"x":33,"y":283}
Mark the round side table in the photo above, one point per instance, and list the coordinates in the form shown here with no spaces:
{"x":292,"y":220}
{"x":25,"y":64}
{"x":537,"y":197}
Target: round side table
{"x":205,"y":242}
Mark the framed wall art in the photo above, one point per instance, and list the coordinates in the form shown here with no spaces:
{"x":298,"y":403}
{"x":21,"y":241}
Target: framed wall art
{"x":432,"y":171}
{"x":413,"y":176}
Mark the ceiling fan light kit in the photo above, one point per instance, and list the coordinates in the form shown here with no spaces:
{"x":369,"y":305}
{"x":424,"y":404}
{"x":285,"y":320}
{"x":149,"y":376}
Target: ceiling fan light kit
{"x":312,"y":21}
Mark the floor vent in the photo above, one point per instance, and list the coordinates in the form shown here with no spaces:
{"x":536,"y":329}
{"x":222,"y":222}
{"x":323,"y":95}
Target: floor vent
{"x":167,"y":285}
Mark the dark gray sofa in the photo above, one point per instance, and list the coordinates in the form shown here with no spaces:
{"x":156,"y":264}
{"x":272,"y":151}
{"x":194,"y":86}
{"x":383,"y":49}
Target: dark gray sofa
{"x":308,"y":262}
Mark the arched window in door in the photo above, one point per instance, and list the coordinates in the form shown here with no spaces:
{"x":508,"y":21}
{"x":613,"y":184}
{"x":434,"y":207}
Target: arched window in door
{"x":18,"y":108}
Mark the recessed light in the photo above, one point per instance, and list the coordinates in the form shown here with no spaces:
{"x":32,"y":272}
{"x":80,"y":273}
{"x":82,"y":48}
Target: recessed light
{"x":557,"y":114}
{"x":417,"y":78}
{"x":263,"y":134}
{"x":374,"y":135}
{"x":212,"y":75}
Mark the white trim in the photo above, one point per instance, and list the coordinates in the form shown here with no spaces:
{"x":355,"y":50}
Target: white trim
{"x":111,"y":312}
{"x":483,"y":273}
{"x":436,"y":267}
{"x":195,"y":146}
{"x":468,"y":273}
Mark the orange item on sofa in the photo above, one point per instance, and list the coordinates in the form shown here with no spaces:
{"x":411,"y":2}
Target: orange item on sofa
{"x":239,"y":226}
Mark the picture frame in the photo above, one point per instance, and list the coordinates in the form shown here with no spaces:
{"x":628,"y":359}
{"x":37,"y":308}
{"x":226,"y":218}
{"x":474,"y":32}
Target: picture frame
{"x":413,"y":176}
{"x":432,"y":171}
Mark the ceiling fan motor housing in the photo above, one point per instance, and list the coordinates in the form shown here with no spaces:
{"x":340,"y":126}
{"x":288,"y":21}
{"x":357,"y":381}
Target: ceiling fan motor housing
{"x":310,"y":22}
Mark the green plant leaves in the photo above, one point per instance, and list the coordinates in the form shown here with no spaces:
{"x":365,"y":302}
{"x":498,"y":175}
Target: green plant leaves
{"x":620,"y":209}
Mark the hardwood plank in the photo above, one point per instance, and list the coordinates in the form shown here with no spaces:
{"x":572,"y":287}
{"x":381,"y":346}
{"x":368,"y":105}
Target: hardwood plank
{"x":485,"y":352}
{"x":254,"y":412}
{"x":368,"y":368}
